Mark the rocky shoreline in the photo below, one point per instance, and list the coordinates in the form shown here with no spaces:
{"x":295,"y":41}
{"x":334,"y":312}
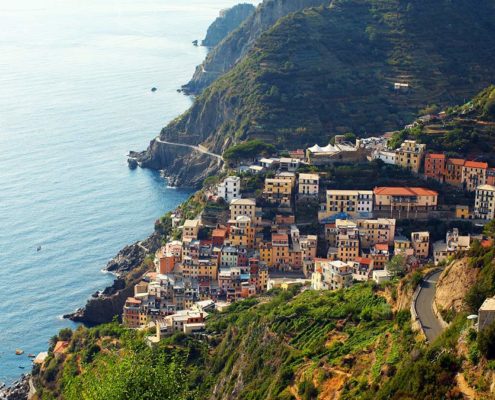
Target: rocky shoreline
{"x":103,"y":306}
{"x":19,"y":390}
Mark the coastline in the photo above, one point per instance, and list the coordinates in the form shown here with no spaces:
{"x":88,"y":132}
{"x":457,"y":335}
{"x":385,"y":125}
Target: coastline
{"x":104,"y":305}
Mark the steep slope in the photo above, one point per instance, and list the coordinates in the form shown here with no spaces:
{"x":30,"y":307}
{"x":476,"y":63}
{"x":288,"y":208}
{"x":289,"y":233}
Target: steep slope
{"x":223,"y":57}
{"x":327,"y":70}
{"x":228,"y":21}
{"x":466,"y":131}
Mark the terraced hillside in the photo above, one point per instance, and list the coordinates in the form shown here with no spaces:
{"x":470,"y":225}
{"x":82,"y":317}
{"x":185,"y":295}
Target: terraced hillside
{"x":468,"y":130}
{"x":327,"y":70}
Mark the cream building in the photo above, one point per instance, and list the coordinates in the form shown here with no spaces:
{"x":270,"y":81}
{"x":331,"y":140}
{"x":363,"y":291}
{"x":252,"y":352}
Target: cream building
{"x":309,"y":184}
{"x":352,"y":202}
{"x":484,"y":205}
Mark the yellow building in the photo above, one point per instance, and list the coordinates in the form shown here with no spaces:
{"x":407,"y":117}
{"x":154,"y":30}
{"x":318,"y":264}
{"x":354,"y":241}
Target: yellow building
{"x":245,"y":207}
{"x":421,"y":244}
{"x":348,"y":248}
{"x":242,"y":233}
{"x":352,"y":202}
{"x":265,"y":249}
{"x":278,"y":190}
{"x":402,"y":245}
{"x":410,"y":155}
{"x":190,"y":229}
{"x":373,"y":231}
{"x":462,"y":212}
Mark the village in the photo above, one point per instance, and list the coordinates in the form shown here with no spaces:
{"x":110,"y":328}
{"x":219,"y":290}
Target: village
{"x":293,"y":230}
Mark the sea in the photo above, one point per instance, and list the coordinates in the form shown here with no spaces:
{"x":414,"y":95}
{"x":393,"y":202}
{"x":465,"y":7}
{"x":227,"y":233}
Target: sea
{"x":75,"y":97}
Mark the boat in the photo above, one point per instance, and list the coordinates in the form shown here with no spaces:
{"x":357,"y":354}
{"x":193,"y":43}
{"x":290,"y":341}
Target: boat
{"x":31,"y":355}
{"x":39,"y":248}
{"x":19,"y":352}
{"x":21,"y":367}
{"x":154,"y":89}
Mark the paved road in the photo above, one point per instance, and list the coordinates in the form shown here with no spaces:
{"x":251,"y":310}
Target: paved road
{"x":424,"y":309}
{"x":197,"y":148}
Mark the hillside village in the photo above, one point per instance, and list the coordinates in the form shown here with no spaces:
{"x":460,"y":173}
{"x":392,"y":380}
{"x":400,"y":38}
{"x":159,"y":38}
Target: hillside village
{"x":274,"y":222}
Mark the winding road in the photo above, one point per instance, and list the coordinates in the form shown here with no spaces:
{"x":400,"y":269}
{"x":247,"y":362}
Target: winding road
{"x":424,"y":307}
{"x":197,"y":148}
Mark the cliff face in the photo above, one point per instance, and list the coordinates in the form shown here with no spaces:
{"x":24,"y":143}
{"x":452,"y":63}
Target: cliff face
{"x":228,"y":52}
{"x":453,"y":285}
{"x":228,"y":21}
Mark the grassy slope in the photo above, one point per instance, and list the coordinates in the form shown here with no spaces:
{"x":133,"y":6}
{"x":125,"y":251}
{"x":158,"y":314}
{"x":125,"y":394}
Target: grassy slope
{"x":328,"y":70}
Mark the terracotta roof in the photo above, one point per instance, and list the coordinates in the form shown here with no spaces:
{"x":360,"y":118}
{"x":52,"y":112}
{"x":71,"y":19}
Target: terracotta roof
{"x":476,"y":164}
{"x":381,"y":246}
{"x":456,"y":161}
{"x":363,"y":260}
{"x":219,"y":233}
{"x":437,"y":156}
{"x":487,"y":243}
{"x":404,"y":191}
{"x":133,"y":300}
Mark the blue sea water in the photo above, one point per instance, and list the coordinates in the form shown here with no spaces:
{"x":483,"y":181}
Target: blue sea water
{"x":75,"y":79}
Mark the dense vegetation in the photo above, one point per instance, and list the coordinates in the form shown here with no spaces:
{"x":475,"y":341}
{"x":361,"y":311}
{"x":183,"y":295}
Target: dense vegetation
{"x":467,"y":131}
{"x":248,"y":150}
{"x":327,"y":70}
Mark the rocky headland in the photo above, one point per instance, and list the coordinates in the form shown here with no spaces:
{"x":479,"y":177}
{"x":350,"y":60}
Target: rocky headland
{"x":229,"y":20}
{"x":128,"y":267}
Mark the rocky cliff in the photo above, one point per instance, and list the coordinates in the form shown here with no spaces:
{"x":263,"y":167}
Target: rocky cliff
{"x":128,"y":266}
{"x":228,"y":52}
{"x":228,"y":21}
{"x":453,"y":285}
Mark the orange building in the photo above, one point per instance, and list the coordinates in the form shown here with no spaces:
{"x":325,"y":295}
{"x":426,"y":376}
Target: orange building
{"x":435,"y":166}
{"x":453,"y":171}
{"x":280,"y":248}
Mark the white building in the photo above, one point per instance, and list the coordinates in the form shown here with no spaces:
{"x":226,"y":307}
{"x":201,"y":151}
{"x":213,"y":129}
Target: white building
{"x":289,"y":164}
{"x":331,"y":275}
{"x":484,"y":206}
{"x":230,"y":188}
{"x":388,"y":157}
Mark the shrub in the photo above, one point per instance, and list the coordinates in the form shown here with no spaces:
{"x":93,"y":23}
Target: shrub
{"x":486,"y":341}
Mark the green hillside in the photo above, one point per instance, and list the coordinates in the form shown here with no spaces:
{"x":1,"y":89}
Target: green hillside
{"x":347,"y":344}
{"x":327,"y":70}
{"x":468,"y":131}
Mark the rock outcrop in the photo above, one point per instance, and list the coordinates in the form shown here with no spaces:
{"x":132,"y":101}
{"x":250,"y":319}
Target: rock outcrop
{"x":229,"y":20}
{"x":229,"y":51}
{"x":127,"y":265}
{"x":453,"y":285}
{"x":19,"y":390}
{"x":183,"y":166}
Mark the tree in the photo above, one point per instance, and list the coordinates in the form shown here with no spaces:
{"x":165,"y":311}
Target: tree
{"x":396,"y":265}
{"x":489,"y":229}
